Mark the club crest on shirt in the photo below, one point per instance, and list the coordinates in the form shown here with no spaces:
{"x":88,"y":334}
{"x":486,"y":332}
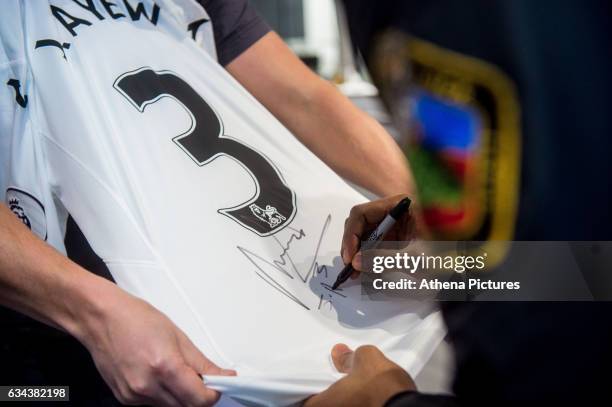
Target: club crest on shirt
{"x":28,"y":210}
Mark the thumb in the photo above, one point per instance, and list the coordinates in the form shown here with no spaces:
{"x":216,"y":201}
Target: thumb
{"x":342,"y":356}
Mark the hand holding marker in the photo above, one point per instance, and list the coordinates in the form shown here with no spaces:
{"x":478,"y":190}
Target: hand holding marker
{"x":376,"y":236}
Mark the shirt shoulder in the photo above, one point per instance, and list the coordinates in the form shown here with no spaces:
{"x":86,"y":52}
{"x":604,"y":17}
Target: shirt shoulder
{"x":236,"y":26}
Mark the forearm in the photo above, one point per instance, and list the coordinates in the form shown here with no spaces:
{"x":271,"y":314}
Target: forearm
{"x":140,"y":353}
{"x":354,"y":144}
{"x":349,"y":141}
{"x":40,"y":282}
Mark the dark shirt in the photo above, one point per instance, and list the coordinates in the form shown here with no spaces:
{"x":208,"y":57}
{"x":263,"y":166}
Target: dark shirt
{"x":557,"y":53}
{"x":236,"y":26}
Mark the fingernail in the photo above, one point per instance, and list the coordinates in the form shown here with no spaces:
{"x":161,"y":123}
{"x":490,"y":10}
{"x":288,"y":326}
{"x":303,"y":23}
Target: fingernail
{"x":342,"y":357}
{"x":340,"y":348}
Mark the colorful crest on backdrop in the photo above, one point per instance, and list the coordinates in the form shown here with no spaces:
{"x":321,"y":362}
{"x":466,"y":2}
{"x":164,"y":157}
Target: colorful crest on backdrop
{"x":461,"y":119}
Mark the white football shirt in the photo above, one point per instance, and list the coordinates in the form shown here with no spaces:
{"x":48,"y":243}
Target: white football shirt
{"x":197,"y":199}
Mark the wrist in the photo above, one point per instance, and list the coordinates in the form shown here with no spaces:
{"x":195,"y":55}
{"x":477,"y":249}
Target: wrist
{"x":89,"y":301}
{"x":387,"y":385}
{"x":402,"y":398}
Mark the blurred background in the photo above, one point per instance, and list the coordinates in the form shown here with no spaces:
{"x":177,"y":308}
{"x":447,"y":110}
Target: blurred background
{"x":317,"y":32}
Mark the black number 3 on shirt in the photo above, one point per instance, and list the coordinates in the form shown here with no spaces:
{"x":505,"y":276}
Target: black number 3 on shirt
{"x":273,"y":205}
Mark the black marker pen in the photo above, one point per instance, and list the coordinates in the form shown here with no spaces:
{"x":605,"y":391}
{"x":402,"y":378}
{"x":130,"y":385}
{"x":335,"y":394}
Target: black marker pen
{"x":375,"y":237}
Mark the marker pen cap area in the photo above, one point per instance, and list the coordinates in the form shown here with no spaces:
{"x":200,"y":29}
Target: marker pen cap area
{"x":400,"y":208}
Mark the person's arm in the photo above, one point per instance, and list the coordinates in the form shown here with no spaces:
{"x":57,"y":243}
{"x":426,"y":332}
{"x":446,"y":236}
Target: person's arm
{"x":141,"y":354}
{"x":372,"y":380}
{"x":352,"y":143}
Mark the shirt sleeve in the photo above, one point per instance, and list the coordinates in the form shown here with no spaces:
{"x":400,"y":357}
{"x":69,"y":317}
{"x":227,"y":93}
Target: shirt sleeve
{"x":236,"y":26}
{"x":415,"y":399}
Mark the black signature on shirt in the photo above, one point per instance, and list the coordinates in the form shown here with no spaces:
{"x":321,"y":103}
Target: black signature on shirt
{"x":284,"y":263}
